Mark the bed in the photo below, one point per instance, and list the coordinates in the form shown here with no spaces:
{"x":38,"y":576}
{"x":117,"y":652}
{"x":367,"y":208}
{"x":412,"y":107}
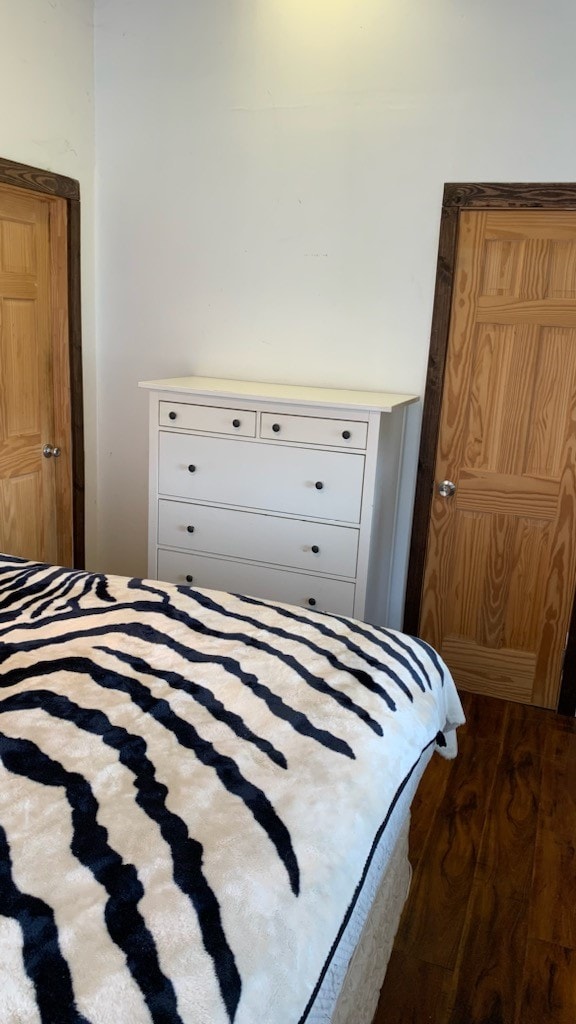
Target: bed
{"x":204,"y":802}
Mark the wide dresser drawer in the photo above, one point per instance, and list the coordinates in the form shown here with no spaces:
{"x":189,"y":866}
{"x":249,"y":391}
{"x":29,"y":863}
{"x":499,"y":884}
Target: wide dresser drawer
{"x":299,"y":543}
{"x":307,"y":482}
{"x":316,"y":593}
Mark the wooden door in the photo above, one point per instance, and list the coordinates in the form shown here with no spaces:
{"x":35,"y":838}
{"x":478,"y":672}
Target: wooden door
{"x":35,"y":491}
{"x":500,"y":567}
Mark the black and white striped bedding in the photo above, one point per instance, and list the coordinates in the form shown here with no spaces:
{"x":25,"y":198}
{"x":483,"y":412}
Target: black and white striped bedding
{"x":191,"y":787}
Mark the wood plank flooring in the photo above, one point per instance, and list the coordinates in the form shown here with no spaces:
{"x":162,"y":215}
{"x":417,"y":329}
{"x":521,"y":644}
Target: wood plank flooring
{"x":488,"y":935}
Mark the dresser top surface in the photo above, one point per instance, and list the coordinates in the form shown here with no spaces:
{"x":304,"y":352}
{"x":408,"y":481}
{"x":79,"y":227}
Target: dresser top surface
{"x":217,"y":387}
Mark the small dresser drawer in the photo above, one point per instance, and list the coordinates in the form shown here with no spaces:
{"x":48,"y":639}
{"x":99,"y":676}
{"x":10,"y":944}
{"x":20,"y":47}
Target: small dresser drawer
{"x":301,"y":544}
{"x":208,"y":418}
{"x":313,"y":592}
{"x":314,"y":430}
{"x":279,"y":478}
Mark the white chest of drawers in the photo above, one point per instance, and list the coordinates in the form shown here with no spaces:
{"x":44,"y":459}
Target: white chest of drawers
{"x":276,"y":491}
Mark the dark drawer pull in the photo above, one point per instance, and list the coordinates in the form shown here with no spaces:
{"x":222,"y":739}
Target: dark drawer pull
{"x":235,"y":423}
{"x":315,"y":549}
{"x":190,"y":529}
{"x":346,"y":434}
{"x":275,"y":427}
{"x":311,"y":601}
{"x":189,"y":578}
{"x":318,"y":485}
{"x":191,"y":468}
{"x":172,"y":415}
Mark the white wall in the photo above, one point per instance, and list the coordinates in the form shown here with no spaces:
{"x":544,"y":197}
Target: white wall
{"x":269,"y":184}
{"x":47,"y":120}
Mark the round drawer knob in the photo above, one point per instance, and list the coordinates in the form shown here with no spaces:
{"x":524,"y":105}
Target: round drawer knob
{"x":191,"y":468}
{"x":315,"y":549}
{"x":235,"y":423}
{"x":318,"y":485}
{"x":275,"y":427}
{"x":172,"y":415}
{"x":189,"y":578}
{"x":346,"y":434}
{"x":190,"y":529}
{"x":311,"y":601}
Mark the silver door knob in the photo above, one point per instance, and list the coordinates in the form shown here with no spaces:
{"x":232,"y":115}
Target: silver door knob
{"x":446,"y":489}
{"x":50,"y":450}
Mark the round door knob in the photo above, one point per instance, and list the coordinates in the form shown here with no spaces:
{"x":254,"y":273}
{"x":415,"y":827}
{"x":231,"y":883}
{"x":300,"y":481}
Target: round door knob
{"x":315,"y":549}
{"x":318,"y":485}
{"x":190,"y":529}
{"x":275,"y":427}
{"x":172,"y":415}
{"x":446,"y":489}
{"x":189,"y":578}
{"x":311,"y":601}
{"x":191,"y":468}
{"x":235,"y":423}
{"x":346,"y":434}
{"x":50,"y":450}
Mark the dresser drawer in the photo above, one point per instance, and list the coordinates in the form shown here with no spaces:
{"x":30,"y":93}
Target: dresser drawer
{"x":208,"y":418}
{"x":320,"y":484}
{"x":293,"y":542}
{"x":314,"y":430}
{"x":258,"y":581}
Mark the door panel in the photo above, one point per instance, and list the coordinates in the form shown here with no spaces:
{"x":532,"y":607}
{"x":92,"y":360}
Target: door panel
{"x":20,"y":514}
{"x":35,"y":492}
{"x":501,"y":556}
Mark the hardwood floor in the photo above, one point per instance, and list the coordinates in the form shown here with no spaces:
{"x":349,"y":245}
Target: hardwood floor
{"x":488,"y":935}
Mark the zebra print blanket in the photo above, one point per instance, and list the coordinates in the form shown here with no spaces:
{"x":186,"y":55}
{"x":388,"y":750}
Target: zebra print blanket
{"x":191,"y":787}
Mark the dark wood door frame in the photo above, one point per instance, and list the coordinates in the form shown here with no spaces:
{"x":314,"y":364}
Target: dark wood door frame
{"x":36,"y":180}
{"x":459,"y":197}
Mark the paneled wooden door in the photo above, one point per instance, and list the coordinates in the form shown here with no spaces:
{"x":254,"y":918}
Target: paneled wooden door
{"x":35,"y":486}
{"x":500,"y":567}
